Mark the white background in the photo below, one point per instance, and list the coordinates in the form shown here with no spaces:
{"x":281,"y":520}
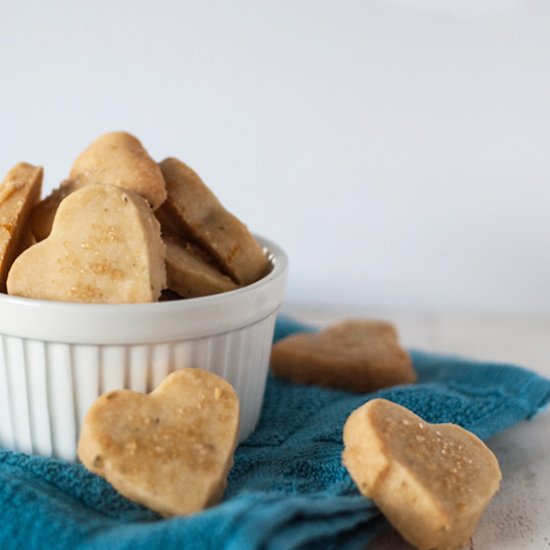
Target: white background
{"x":398,"y":150}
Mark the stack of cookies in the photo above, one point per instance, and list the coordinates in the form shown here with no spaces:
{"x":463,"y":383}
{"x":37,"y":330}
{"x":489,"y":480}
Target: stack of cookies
{"x":121,"y":229}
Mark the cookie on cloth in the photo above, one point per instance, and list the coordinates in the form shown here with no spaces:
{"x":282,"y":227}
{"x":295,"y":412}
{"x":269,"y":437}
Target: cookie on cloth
{"x":170,"y":450}
{"x":355,"y":355}
{"x":431,"y":481}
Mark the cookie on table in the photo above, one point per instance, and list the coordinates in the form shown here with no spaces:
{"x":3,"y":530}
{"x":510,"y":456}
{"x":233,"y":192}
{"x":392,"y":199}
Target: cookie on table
{"x":357,"y":355}
{"x":431,"y":481}
{"x":19,"y":192}
{"x":105,"y":247}
{"x":199,"y":217}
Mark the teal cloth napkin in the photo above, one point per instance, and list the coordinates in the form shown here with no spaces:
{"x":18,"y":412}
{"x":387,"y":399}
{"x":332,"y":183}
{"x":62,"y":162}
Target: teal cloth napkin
{"x":287,"y":489}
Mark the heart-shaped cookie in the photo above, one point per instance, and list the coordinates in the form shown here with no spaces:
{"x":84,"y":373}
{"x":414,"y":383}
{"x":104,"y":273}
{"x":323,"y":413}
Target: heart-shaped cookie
{"x":431,"y":481}
{"x":118,"y":158}
{"x":105,"y":246}
{"x":19,"y":193}
{"x":355,"y":355}
{"x":170,"y":450}
{"x":198,"y":215}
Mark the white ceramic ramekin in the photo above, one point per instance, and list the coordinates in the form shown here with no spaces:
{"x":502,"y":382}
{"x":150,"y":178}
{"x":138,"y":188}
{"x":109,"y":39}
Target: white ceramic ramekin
{"x":56,"y":358}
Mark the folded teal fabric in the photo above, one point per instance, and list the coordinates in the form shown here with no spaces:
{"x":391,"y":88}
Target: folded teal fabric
{"x":287,"y":489}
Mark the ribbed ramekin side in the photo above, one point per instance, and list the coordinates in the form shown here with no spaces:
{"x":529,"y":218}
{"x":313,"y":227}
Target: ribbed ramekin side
{"x":46,"y":388}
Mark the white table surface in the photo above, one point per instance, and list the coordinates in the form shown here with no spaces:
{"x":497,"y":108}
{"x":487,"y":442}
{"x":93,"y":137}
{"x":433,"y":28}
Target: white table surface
{"x":519,"y":516}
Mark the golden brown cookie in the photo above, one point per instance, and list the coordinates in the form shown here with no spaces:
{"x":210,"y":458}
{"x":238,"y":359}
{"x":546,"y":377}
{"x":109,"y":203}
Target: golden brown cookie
{"x":43,"y":213}
{"x":198,"y":215}
{"x":19,"y":192}
{"x":431,"y":481}
{"x":118,"y":158}
{"x":190,"y":275}
{"x":105,"y":247}
{"x":170,"y":450}
{"x":356,"y":355}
